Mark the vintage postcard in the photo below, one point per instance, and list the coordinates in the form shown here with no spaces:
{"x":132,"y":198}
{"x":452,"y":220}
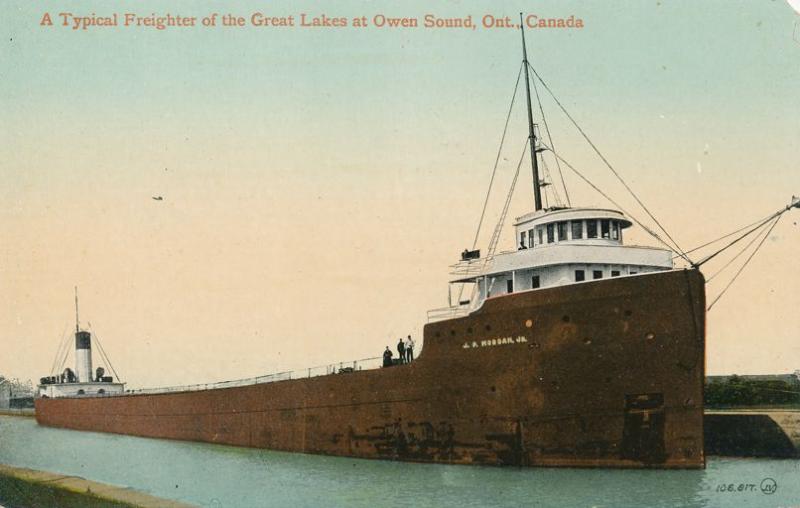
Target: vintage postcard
{"x":373,"y":253}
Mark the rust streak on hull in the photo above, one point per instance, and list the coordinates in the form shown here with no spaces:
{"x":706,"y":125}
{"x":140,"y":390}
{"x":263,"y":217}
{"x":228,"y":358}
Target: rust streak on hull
{"x":601,"y":374}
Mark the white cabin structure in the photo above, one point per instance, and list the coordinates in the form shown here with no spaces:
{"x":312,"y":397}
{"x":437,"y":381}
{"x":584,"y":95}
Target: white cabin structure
{"x":81,"y":381}
{"x":555,"y":247}
{"x":98,"y":388}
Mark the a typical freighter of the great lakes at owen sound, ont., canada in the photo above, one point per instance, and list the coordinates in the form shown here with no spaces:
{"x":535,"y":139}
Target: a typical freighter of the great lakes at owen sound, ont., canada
{"x":574,"y":349}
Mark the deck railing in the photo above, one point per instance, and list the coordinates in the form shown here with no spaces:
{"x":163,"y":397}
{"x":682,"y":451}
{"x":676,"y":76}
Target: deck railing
{"x":341,"y":368}
{"x":443,"y":313}
{"x":463,"y":308}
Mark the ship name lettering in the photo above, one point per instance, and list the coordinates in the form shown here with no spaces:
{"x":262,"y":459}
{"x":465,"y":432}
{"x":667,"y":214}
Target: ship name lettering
{"x":500,"y":341}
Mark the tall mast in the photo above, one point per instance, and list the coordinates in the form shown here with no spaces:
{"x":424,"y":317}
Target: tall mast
{"x":537,"y":192}
{"x":77,"y":322}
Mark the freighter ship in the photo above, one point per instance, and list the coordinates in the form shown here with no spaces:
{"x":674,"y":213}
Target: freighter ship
{"x":574,"y":349}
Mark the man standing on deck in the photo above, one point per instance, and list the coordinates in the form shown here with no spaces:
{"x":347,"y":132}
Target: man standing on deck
{"x":387,"y":357}
{"x":401,"y":350}
{"x":409,"y":350}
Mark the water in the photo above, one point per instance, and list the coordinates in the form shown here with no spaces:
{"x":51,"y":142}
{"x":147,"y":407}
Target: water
{"x":222,"y":476}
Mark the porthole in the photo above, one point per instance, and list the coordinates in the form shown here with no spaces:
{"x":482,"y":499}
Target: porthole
{"x":587,"y":341}
{"x":565,"y":319}
{"x":469,"y":330}
{"x":452,"y":332}
{"x":488,"y":327}
{"x":650,"y":336}
{"x":529,"y":323}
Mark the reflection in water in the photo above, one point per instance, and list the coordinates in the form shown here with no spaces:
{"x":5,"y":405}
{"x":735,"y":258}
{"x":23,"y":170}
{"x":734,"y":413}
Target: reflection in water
{"x":210,"y":475}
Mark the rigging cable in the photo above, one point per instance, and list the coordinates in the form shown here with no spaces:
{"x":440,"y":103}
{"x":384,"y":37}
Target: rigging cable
{"x":546,"y":200}
{"x":777,"y":219}
{"x":63,"y":349}
{"x":105,"y":357}
{"x":595,"y":187}
{"x":61,"y":345}
{"x":597,"y":151}
{"x":550,"y":140}
{"x":734,"y":258}
{"x":494,"y":169}
{"x":64,"y":359}
{"x":499,"y":227}
{"x":497,"y":159}
{"x":556,"y":197}
{"x":514,"y":182}
{"x":713,"y":255}
{"x":759,"y":221}
{"x":547,"y":178}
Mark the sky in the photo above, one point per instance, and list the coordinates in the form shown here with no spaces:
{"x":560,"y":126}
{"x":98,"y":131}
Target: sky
{"x":318,"y":182}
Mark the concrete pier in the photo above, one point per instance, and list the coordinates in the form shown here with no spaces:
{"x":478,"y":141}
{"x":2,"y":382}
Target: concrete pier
{"x":753,"y":433}
{"x":34,"y":489}
{"x":29,"y":412}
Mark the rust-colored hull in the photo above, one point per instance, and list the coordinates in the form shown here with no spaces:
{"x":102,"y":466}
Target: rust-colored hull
{"x":606,"y":373}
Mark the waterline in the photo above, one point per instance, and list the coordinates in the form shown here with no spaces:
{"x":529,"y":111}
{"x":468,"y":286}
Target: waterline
{"x":215,"y":475}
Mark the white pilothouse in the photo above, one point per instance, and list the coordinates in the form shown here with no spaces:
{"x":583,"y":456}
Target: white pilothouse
{"x":557,"y":246}
{"x":564,"y":246}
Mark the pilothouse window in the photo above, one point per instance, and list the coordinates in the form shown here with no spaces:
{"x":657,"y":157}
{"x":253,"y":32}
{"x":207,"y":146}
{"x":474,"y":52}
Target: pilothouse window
{"x":580,"y":275}
{"x":530,"y":238}
{"x":591,"y":229}
{"x":614,"y":230}
{"x":577,"y":229}
{"x":535,"y":282}
{"x":605,"y":228}
{"x":562,"y":231}
{"x":550,"y":233}
{"x":510,"y":286}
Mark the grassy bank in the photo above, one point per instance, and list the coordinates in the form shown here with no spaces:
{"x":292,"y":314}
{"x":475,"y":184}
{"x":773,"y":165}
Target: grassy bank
{"x":20,"y":487}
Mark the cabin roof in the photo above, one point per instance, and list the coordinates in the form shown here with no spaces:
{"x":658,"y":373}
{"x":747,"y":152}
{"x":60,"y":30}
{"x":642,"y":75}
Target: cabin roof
{"x":561,"y":214}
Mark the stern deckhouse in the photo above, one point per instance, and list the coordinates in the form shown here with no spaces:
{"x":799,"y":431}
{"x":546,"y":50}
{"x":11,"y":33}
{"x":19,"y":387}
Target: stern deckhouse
{"x":81,"y":381}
